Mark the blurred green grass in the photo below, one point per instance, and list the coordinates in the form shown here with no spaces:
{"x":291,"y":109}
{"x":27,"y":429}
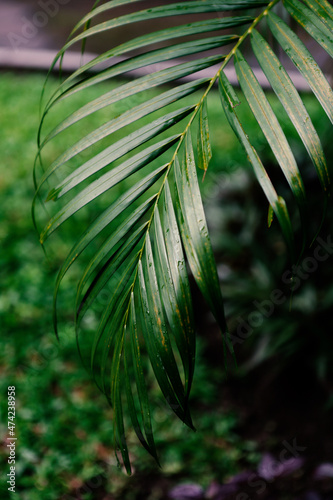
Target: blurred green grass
{"x":63,"y":423}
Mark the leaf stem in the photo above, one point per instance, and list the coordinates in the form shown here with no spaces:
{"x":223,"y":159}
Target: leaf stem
{"x":223,"y":65}
{"x":183,"y":135}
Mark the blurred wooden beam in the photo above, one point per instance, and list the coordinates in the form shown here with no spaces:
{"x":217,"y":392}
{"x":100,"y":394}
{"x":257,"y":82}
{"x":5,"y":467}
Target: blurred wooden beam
{"x":41,"y":60}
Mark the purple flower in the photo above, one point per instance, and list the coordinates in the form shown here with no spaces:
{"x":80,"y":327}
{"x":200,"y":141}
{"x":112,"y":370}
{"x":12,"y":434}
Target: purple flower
{"x":187,"y":492}
{"x":269,"y":468}
{"x":323,"y":471}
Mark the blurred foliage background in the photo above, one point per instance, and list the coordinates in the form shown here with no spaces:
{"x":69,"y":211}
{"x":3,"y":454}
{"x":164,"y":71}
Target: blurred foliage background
{"x":281,"y":389}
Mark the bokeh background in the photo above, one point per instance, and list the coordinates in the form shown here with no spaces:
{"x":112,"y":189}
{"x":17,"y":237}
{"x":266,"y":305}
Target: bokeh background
{"x":264,"y":429}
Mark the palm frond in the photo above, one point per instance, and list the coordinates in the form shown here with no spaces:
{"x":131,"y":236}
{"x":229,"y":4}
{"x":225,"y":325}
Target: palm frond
{"x":147,"y":235}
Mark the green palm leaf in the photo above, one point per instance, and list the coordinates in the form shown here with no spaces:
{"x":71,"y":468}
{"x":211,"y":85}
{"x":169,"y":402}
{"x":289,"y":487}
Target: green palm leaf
{"x":144,"y":238}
